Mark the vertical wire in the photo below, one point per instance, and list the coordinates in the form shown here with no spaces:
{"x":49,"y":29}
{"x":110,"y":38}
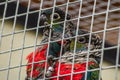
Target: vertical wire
{"x":104,"y":35}
{"x":24,"y":32}
{"x":117,"y":57}
{"x":74,"y":52}
{"x":22,"y":51}
{"x":3,"y":21}
{"x":53,"y":9}
{"x":14,"y":25}
{"x":11,"y":45}
{"x":37,"y":30}
{"x":20,"y":65}
{"x":90,"y":37}
{"x":62,"y":40}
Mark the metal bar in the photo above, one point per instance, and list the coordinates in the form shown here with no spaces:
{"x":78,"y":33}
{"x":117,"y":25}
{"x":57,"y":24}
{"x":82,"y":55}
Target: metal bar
{"x":104,"y":35}
{"x":21,"y":31}
{"x":91,"y":27}
{"x":24,"y":32}
{"x":78,"y":21}
{"x":8,"y":1}
{"x":53,"y":10}
{"x":117,"y":57}
{"x":35,"y":44}
{"x":62,"y":39}
{"x":103,"y":68}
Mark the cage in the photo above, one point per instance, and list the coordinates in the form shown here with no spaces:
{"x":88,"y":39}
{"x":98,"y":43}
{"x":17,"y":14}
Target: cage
{"x":20,"y":32}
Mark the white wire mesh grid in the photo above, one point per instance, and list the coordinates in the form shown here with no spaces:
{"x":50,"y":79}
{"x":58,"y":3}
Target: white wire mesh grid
{"x":91,"y":16}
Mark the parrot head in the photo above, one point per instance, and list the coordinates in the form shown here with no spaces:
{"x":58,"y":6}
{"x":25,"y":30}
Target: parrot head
{"x":47,"y":15}
{"x":83,"y":40}
{"x":95,"y":41}
{"x":54,"y":21}
{"x":82,"y":46}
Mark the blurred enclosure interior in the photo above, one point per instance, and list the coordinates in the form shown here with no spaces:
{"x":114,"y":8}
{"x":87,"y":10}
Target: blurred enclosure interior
{"x":18,"y":35}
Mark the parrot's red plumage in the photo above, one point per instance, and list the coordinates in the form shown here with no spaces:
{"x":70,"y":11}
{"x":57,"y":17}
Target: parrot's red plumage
{"x":37,"y":59}
{"x":38,"y":55}
{"x":66,"y":69}
{"x":38,"y":66}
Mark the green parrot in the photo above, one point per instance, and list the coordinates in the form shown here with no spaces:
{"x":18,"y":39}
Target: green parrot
{"x":81,"y":53}
{"x":54,"y":47}
{"x":80,"y":58}
{"x":54,"y":21}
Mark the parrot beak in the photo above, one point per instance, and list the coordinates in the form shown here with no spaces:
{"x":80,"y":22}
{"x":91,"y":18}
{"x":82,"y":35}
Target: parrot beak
{"x":43,"y":20}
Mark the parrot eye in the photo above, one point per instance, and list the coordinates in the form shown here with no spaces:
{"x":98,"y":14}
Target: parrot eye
{"x":82,"y":40}
{"x":56,"y":16}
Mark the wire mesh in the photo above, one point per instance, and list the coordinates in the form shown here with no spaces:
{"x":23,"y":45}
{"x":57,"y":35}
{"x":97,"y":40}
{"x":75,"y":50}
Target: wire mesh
{"x":20,"y":32}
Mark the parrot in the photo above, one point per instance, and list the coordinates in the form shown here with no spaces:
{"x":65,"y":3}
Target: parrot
{"x":39,"y":55}
{"x":80,"y":59}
